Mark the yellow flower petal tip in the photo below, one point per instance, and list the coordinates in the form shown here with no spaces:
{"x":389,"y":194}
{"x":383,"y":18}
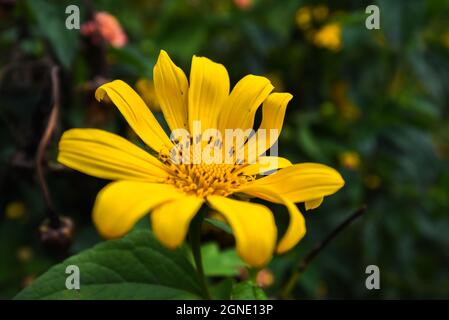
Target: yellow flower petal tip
{"x":163,"y":54}
{"x":163,"y":58}
{"x":171,"y":220}
{"x":313,"y":204}
{"x":253,"y":225}
{"x":100,"y":93}
{"x":173,"y":182}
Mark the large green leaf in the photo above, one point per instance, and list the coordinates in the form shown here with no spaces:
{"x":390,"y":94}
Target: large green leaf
{"x":247,"y":290}
{"x":220,"y":263}
{"x":223,"y":289}
{"x":50,"y":17}
{"x":134,"y":267}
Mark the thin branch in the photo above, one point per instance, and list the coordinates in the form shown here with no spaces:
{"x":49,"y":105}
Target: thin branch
{"x":40,"y":154}
{"x":18,"y":162}
{"x":321,"y":245}
{"x":304,"y":263}
{"x":195,"y":241}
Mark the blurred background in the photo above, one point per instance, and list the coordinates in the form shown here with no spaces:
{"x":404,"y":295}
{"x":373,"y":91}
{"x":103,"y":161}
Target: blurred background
{"x":371,"y":103}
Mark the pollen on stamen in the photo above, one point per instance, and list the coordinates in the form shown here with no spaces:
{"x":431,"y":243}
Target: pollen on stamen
{"x":202,"y":179}
{"x":205,"y":179}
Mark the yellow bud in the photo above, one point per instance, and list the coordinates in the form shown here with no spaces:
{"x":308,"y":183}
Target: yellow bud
{"x":304,"y":17}
{"x":24,"y":254}
{"x":329,"y":37}
{"x":350,"y":160}
{"x":15,"y":210}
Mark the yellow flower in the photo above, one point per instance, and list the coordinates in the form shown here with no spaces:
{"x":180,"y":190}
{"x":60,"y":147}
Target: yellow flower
{"x":329,"y":36}
{"x":145,"y":87}
{"x":445,"y":39}
{"x":304,"y":17}
{"x":15,"y":210}
{"x":24,"y":254}
{"x":173,"y":192}
{"x":350,"y":160}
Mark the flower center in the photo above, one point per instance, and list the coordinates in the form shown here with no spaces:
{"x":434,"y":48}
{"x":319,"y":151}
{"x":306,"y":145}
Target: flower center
{"x":207,"y":179}
{"x":193,"y":174}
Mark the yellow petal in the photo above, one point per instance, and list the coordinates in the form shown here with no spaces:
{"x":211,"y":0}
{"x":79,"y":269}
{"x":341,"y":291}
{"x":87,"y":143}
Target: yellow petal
{"x":106,"y":155}
{"x":296,"y":228}
{"x":171,"y":220}
{"x":121,"y":204}
{"x":299,"y":183}
{"x":273,"y":112}
{"x":313,"y":204}
{"x":209,"y":88}
{"x":171,"y":87}
{"x":265,"y":164}
{"x":243,"y":102}
{"x":253,"y":226}
{"x":136,"y":113}
{"x":297,"y":225}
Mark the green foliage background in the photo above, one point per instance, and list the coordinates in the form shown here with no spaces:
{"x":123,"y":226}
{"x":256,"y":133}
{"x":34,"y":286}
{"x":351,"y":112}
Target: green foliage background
{"x":383,"y":95}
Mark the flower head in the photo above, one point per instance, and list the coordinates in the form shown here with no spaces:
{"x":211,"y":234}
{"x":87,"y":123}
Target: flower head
{"x":350,"y":160}
{"x":303,"y":17}
{"x":15,"y":210}
{"x":105,"y":26}
{"x":306,"y":16}
{"x":329,"y":36}
{"x":445,"y":39}
{"x":243,"y":4}
{"x":196,"y":166}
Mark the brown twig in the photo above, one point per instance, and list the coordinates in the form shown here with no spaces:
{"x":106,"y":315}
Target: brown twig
{"x":40,"y":154}
{"x":18,"y":163}
{"x":304,"y":263}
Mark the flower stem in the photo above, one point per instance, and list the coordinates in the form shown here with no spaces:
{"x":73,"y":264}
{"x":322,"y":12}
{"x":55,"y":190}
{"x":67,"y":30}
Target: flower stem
{"x":304,"y":263}
{"x":252,"y":274}
{"x":195,"y":241}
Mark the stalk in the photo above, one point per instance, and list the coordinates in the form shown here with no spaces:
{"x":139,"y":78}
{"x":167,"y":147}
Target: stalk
{"x":195,"y":242}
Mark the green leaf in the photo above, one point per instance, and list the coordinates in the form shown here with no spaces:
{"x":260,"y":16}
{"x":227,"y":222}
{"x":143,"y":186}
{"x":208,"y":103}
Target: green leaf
{"x":134,"y":267}
{"x":309,"y":143}
{"x":220,"y":263}
{"x":50,"y":17}
{"x":132,"y":61}
{"x":219,"y":224}
{"x":223,"y":289}
{"x":247,"y":290}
